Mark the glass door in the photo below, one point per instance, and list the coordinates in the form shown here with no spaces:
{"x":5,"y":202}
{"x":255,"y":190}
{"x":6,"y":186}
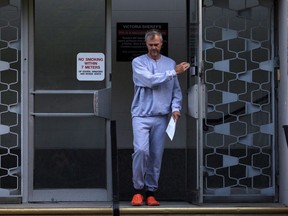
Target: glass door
{"x":239,"y":143}
{"x":67,"y":135}
{"x":231,"y":138}
{"x":11,"y":101}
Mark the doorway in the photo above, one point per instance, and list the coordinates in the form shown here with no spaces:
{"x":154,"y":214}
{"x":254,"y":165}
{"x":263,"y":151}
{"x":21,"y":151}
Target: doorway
{"x":230,"y":144}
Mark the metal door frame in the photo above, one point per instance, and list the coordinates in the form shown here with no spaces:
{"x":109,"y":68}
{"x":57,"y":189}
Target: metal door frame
{"x":196,"y":101}
{"x":29,"y":194}
{"x":201,"y":98}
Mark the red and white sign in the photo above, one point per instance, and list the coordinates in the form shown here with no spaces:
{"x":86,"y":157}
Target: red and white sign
{"x":90,"y":66}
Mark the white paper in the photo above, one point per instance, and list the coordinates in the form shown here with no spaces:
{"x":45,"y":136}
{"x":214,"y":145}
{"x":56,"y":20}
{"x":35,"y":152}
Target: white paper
{"x":171,"y":127}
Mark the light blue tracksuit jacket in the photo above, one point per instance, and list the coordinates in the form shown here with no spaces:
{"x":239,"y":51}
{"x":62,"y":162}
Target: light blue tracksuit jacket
{"x":157,"y":90}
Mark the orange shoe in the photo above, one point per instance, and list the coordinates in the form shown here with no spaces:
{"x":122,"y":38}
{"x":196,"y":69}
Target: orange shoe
{"x":137,"y":200}
{"x":151,"y":201}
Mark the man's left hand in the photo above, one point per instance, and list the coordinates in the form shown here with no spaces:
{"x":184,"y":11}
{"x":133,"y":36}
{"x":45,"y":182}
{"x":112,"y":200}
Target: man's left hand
{"x":176,"y":115}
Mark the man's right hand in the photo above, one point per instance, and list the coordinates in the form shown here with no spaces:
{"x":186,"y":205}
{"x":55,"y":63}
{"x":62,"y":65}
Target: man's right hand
{"x":180,"y":68}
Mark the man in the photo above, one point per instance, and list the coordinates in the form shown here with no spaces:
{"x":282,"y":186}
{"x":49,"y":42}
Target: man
{"x":157,"y":93}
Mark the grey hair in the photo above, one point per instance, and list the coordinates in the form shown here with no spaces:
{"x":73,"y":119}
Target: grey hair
{"x":151,"y":34}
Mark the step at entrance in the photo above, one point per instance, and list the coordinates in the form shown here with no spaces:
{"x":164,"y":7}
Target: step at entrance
{"x":166,"y":208}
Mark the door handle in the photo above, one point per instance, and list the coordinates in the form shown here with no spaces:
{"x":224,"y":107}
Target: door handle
{"x":102,"y":103}
{"x":193,"y":100}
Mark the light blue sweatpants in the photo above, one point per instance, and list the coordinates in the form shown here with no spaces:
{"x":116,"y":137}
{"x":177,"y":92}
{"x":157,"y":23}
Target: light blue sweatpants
{"x":149,"y":140}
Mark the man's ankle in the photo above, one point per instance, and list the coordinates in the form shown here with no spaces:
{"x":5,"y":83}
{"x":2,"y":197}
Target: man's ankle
{"x":138,"y":191}
{"x":149,"y":193}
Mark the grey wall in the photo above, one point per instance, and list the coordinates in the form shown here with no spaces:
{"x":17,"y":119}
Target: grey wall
{"x":283,"y":89}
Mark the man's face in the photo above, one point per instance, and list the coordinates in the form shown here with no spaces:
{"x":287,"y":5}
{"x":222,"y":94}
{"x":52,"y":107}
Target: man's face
{"x":154,"y":46}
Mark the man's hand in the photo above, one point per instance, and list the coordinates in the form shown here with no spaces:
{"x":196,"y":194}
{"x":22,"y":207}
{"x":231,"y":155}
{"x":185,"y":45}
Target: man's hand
{"x":180,"y":68}
{"x":176,"y":115}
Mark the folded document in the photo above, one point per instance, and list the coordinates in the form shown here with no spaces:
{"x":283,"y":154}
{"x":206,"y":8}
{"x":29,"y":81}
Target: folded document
{"x":171,"y":127}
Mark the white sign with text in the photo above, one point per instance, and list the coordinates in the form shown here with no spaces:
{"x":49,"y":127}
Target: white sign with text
{"x":90,"y":66}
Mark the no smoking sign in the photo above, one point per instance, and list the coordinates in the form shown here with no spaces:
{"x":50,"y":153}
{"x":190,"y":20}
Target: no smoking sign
{"x":90,"y":66}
